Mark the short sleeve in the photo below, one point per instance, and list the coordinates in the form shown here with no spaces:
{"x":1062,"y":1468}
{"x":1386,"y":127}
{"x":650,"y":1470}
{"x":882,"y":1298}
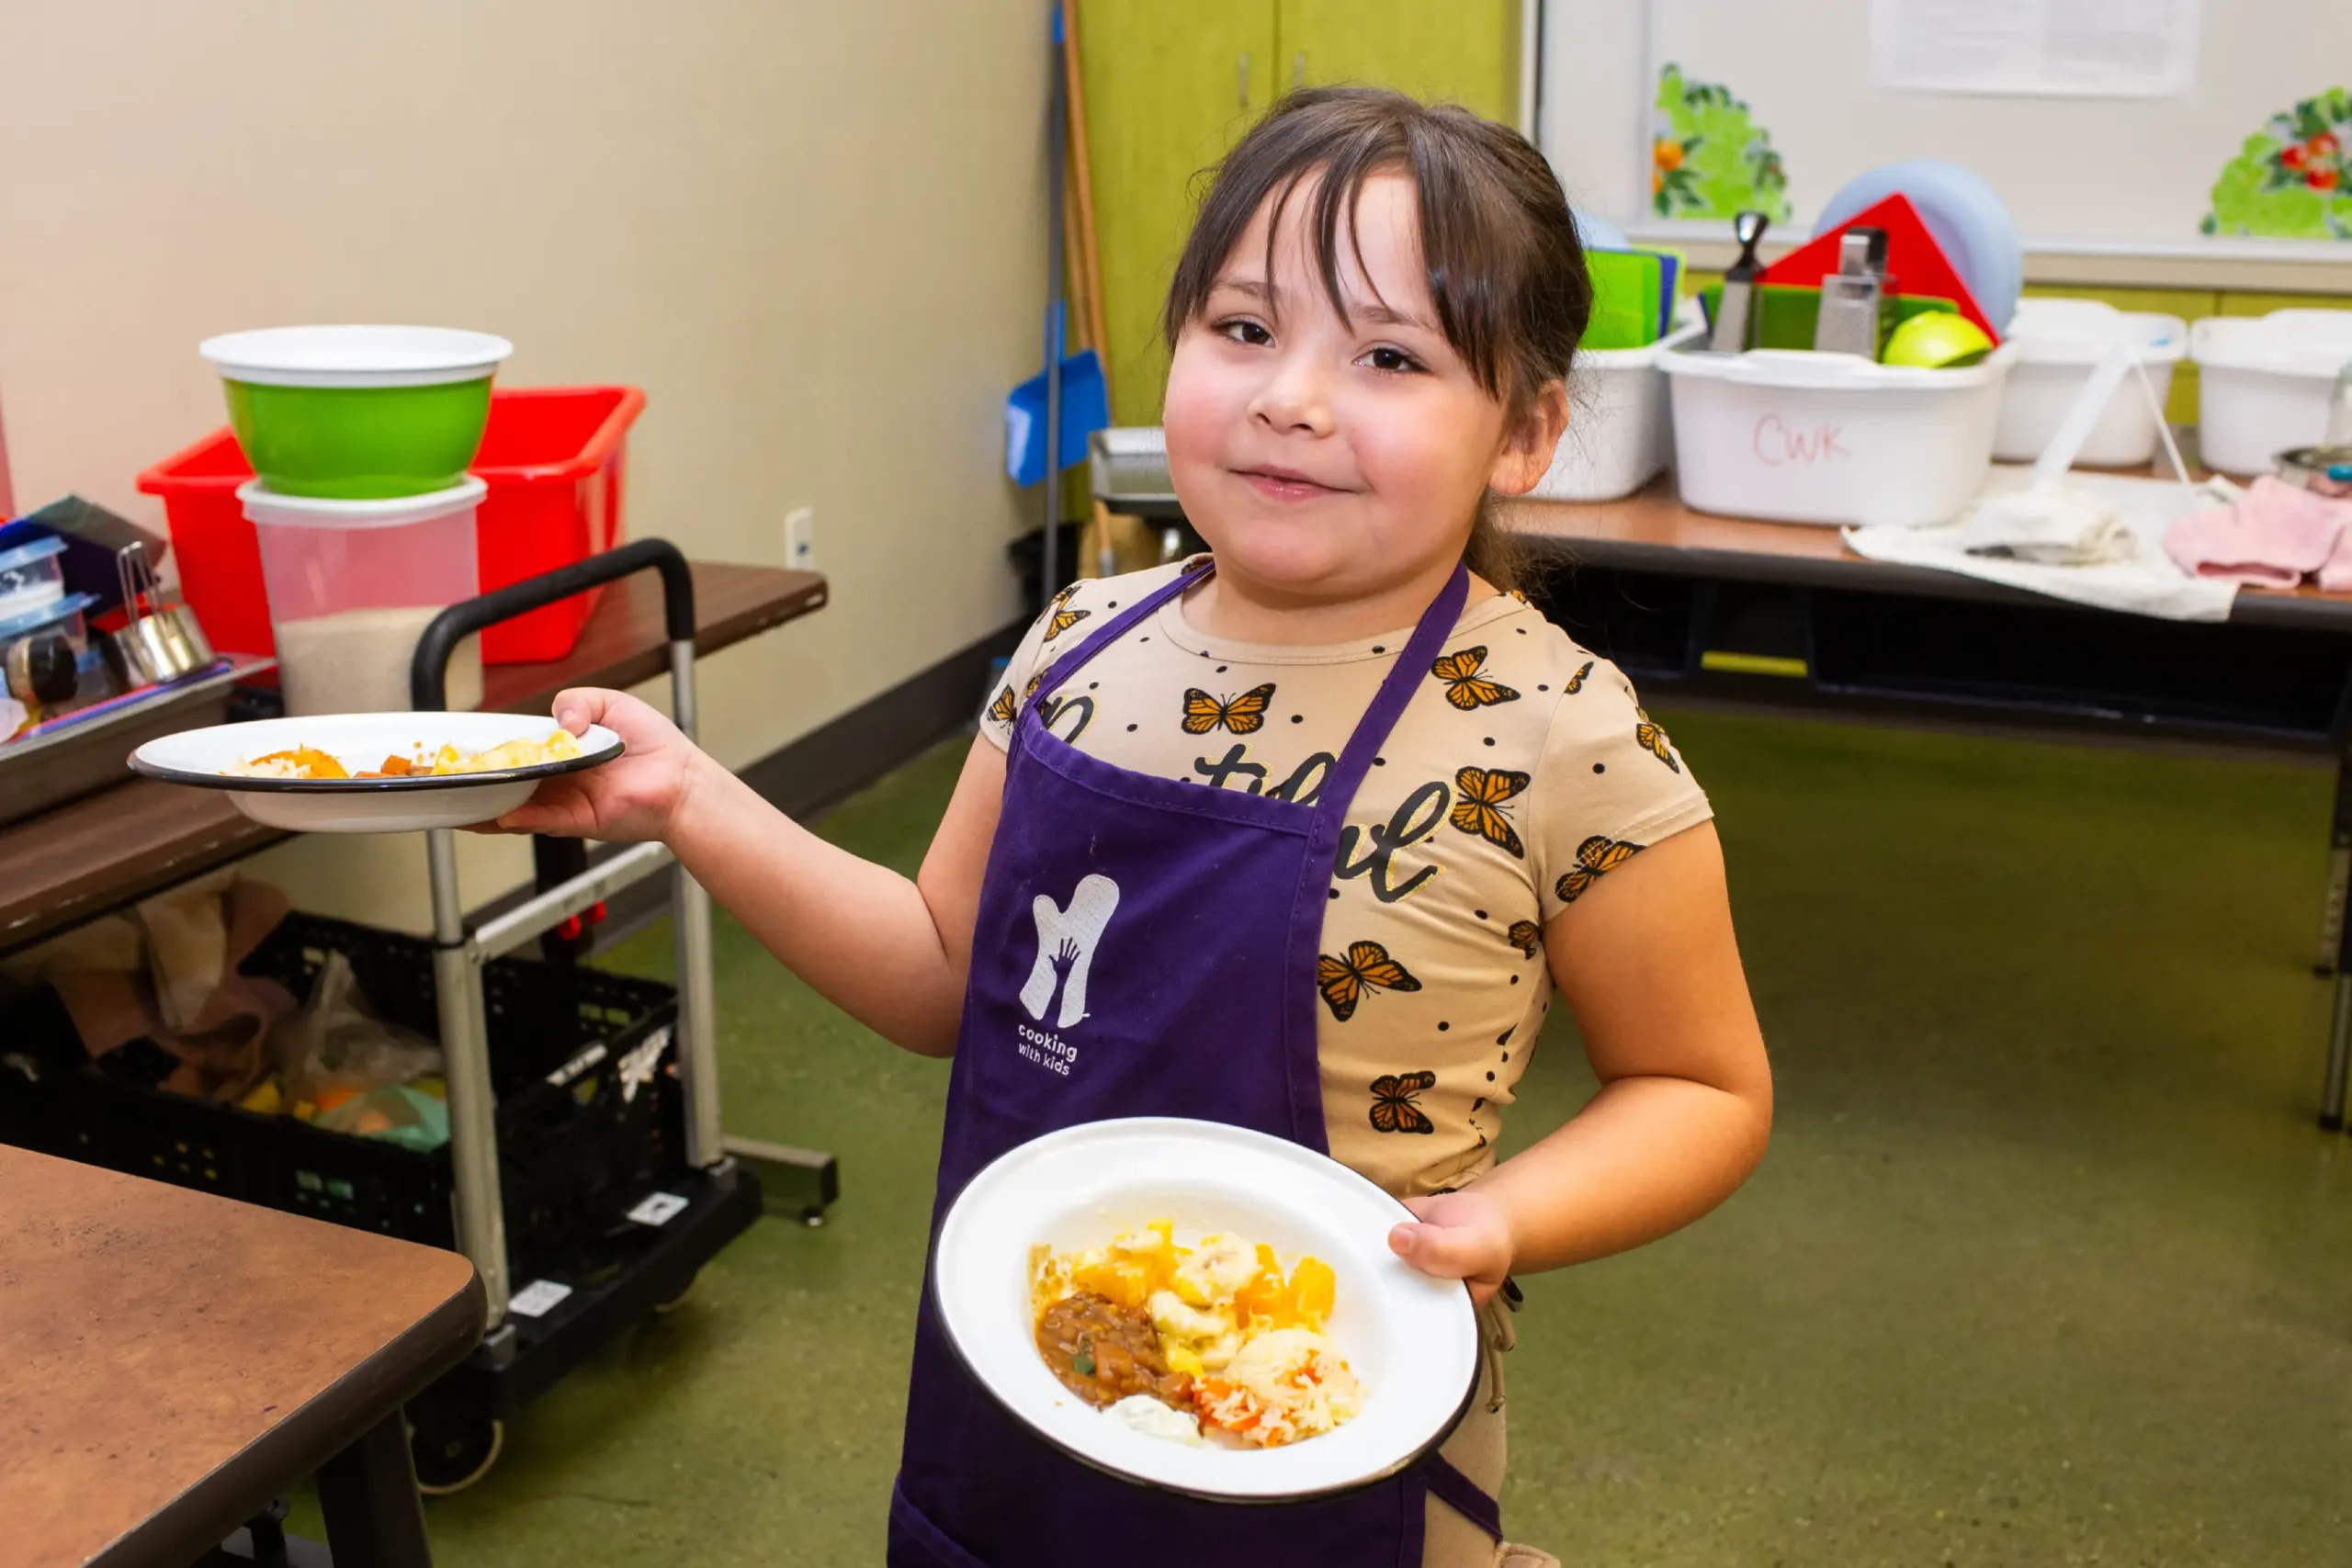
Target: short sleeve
{"x":1611,"y":784}
{"x":1063,"y":625}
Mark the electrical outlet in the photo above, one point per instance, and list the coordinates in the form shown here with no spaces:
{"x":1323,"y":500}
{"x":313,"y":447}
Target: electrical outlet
{"x":800,"y":538}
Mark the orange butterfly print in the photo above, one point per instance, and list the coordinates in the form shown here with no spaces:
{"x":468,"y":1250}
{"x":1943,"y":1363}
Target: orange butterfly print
{"x":1002,"y":710}
{"x":1596,"y":857}
{"x":1576,"y":682}
{"x":1465,"y":687}
{"x":1366,"y":967}
{"x":1526,"y":936}
{"x":1244,"y":715}
{"x":1393,"y":1110}
{"x":1064,"y":617}
{"x":1479,"y":796}
{"x":1651,"y":739}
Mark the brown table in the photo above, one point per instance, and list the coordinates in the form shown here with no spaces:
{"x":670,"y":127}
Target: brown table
{"x":170,"y":1361}
{"x":103,"y":850}
{"x":1652,"y":530}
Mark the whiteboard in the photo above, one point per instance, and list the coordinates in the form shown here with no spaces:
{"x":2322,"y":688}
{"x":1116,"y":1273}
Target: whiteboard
{"x":2129,"y":172}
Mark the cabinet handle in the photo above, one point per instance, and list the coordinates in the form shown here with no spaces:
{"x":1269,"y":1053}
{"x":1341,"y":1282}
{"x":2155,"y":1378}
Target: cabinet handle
{"x":1241,"y":76}
{"x":1298,"y":70}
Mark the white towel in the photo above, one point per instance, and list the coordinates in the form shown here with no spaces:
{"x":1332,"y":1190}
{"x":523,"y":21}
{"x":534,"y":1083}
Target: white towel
{"x":2144,"y":582}
{"x":2055,"y":525}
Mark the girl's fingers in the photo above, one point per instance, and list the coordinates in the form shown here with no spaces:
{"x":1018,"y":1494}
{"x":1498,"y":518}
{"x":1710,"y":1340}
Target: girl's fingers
{"x":577,"y":707}
{"x":1448,"y":1252}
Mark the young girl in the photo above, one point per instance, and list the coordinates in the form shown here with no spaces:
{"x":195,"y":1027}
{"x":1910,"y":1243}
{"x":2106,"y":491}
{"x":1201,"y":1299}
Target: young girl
{"x":1300,"y":835}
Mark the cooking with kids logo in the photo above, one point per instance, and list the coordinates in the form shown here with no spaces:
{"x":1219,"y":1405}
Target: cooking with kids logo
{"x":1066,"y":938}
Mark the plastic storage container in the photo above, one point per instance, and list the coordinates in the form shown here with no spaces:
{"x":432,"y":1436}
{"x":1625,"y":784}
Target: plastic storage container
{"x":1832,"y":438}
{"x":1620,"y":424}
{"x":353,"y":584}
{"x":44,"y":653}
{"x":2059,"y":341}
{"x":33,"y":577}
{"x":358,"y":413}
{"x":2263,"y":384}
{"x":553,"y":457}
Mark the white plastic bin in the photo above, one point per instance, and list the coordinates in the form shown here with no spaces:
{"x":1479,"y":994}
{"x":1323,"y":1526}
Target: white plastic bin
{"x":351,"y":586}
{"x":1832,"y":438}
{"x":2264,"y":382}
{"x":1620,"y":426}
{"x":2059,"y":341}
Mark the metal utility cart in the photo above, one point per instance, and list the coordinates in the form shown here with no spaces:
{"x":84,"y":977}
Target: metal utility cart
{"x":542,"y":1328}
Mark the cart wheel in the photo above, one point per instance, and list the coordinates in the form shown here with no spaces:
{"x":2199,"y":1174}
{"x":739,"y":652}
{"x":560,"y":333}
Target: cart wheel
{"x":451,"y":1456}
{"x":671,"y":1303}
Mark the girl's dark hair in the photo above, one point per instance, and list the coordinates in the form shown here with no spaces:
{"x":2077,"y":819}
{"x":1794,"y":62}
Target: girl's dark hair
{"x":1505,"y":268}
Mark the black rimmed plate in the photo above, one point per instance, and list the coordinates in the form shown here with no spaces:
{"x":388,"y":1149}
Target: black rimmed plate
{"x":361,"y":741}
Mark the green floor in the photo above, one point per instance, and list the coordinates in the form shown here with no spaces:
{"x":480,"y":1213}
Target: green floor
{"x":2047,"y":1265}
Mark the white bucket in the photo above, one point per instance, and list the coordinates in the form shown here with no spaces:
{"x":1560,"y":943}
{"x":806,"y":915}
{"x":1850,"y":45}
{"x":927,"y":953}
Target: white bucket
{"x":2264,"y":384}
{"x":1621,"y":428}
{"x":1832,"y":438}
{"x":2058,"y":342}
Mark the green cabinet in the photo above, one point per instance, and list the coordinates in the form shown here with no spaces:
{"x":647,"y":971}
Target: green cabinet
{"x":1463,"y":51}
{"x":1169,"y":87}
{"x":1172,"y":85}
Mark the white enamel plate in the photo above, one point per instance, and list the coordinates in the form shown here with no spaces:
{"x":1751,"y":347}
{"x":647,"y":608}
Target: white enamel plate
{"x":361,"y":741}
{"x":1412,"y":1340}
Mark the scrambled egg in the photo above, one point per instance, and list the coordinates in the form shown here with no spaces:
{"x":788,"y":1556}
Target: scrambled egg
{"x":308,"y":763}
{"x":1207,"y":1301}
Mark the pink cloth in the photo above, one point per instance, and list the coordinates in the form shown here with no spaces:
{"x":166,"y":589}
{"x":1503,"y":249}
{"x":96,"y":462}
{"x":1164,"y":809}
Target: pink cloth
{"x":2273,"y":537}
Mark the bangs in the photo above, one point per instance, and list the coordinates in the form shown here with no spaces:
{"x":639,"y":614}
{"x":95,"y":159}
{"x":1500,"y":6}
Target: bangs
{"x":1509,"y":289}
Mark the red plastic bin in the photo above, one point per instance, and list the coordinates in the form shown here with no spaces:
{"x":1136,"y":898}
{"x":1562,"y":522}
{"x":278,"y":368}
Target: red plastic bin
{"x":553,"y":456}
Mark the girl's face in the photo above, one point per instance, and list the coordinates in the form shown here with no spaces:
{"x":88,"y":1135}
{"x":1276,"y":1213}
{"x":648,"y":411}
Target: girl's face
{"x":1325,"y":458}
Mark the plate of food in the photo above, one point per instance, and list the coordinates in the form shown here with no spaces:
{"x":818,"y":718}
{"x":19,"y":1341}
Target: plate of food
{"x":376,"y":772}
{"x":1203,"y":1309}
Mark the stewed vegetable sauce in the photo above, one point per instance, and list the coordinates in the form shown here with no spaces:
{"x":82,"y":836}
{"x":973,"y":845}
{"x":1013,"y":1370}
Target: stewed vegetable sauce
{"x":1103,"y":1352}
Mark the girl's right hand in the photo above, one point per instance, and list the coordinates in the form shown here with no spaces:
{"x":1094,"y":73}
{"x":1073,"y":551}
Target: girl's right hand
{"x":637,"y":795}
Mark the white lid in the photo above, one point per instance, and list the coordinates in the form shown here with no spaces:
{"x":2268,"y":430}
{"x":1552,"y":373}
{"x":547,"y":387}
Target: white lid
{"x":2076,"y":332}
{"x":266,"y":505}
{"x":355,"y":355}
{"x":2288,"y":343}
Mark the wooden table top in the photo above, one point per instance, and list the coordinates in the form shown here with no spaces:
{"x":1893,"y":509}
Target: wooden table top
{"x":103,"y":851}
{"x":1652,"y":530}
{"x":169,"y":1360}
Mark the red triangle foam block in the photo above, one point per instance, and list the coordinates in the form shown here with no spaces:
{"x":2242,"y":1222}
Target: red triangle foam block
{"x":1913,"y":260}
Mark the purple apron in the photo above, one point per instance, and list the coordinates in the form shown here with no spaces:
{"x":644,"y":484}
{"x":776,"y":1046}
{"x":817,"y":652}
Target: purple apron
{"x":1145,"y":947}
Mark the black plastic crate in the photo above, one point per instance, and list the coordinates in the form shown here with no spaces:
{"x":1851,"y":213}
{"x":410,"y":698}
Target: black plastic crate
{"x":590,"y":1115}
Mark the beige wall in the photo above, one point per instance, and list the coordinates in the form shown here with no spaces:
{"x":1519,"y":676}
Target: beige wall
{"x":812,"y":230}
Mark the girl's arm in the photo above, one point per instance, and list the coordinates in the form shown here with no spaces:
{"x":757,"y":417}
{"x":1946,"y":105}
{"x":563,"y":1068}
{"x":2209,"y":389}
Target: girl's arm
{"x":890,"y":952}
{"x":1647,"y":960}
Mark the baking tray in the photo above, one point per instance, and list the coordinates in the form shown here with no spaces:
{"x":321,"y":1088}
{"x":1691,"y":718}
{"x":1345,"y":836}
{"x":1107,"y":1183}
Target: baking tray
{"x":86,"y":753}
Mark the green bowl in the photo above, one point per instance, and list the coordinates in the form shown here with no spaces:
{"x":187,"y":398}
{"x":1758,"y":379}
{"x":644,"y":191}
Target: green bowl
{"x":359,"y":443}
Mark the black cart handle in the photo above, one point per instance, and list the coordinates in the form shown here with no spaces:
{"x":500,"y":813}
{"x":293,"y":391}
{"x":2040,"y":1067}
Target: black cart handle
{"x":428,"y":672}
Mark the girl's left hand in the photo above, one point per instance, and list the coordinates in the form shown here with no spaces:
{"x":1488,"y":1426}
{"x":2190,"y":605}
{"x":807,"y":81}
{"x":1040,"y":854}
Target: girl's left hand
{"x":1457,"y":1235}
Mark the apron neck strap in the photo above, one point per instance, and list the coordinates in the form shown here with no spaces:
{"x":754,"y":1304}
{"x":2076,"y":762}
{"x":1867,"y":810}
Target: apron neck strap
{"x":1388,"y":704}
{"x":1371,"y":732}
{"x":1113,"y":630}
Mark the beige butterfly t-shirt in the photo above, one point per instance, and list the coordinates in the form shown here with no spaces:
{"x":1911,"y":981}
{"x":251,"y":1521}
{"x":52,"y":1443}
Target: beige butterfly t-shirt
{"x":1521,"y":770}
